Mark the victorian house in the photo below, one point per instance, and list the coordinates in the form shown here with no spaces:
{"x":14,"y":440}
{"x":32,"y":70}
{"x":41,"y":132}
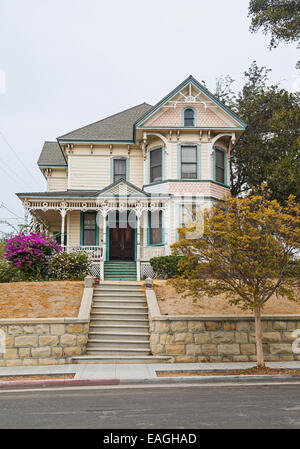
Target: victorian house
{"x":119,"y":188}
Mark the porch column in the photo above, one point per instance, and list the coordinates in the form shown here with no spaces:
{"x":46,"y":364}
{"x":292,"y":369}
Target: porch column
{"x":167,"y":226}
{"x":138,"y":246}
{"x":168,"y":152}
{"x":145,"y":228}
{"x":104,"y":215}
{"x":63,"y":213}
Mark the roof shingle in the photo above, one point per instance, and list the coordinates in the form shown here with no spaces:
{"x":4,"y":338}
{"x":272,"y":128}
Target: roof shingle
{"x":51,"y":155}
{"x":117,"y":127}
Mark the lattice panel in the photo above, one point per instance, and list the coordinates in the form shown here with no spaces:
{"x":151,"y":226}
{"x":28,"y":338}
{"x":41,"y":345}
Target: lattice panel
{"x":147,"y":271}
{"x":95,"y":269}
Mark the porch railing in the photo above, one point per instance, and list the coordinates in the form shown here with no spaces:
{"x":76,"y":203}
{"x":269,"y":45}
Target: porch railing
{"x":94,"y":252}
{"x":147,"y":252}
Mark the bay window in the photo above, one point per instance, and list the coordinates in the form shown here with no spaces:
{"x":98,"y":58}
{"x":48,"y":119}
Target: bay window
{"x":189,"y":162}
{"x":219,"y":169}
{"x":156,"y":165}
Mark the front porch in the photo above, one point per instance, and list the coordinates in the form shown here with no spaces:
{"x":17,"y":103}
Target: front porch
{"x":121,"y":223}
{"x":96,"y":255}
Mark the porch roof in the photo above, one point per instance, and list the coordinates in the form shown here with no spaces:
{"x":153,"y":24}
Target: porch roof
{"x":108,"y":191}
{"x":81,"y":194}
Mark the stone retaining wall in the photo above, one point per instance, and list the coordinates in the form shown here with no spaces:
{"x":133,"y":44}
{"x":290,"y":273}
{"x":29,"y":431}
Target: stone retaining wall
{"x":232,"y":339}
{"x":219,"y":338}
{"x":45,"y":341}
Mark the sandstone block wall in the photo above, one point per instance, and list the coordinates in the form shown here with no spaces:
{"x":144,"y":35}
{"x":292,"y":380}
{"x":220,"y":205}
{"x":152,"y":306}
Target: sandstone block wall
{"x":222,"y":339}
{"x":42,"y":342}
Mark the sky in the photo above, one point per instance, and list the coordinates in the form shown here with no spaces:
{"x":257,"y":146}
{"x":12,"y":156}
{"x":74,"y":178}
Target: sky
{"x":67,"y":63}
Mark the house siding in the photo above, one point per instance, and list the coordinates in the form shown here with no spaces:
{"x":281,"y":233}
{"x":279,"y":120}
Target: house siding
{"x":58,"y":181}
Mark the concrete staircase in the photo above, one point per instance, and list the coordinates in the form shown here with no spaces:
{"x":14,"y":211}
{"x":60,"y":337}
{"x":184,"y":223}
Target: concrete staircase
{"x":119,"y":326}
{"x":116,"y":270}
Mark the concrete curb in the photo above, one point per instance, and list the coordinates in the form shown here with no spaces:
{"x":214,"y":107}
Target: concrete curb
{"x":212,"y":379}
{"x":61,"y":383}
{"x":49,"y":383}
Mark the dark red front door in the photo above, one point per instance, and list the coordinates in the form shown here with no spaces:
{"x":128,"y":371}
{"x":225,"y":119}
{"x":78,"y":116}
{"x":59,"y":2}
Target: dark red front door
{"x":121,"y":243}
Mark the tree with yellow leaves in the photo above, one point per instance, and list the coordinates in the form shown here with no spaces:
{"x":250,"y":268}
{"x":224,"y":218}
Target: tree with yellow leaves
{"x":246,"y":252}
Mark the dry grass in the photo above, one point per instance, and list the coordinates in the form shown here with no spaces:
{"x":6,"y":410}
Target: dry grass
{"x":171,"y":303}
{"x":39,"y":377}
{"x":56,"y":299}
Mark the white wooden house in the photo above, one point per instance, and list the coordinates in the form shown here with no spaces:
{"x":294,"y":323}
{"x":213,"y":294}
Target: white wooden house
{"x":119,"y":188}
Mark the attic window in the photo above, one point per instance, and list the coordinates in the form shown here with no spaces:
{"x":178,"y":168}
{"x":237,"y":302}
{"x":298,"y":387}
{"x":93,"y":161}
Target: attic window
{"x":189,"y":117}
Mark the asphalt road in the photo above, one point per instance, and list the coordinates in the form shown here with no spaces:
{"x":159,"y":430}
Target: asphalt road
{"x":195,"y":407}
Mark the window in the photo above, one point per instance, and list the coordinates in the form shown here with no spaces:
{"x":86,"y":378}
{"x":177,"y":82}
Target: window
{"x":89,"y":229}
{"x":155,"y":228}
{"x":119,"y":169}
{"x":191,"y":216}
{"x":220,"y":166}
{"x":156,"y":165}
{"x":189,"y":162}
{"x":57,"y":238}
{"x":188,"y":214}
{"x":189,"y":117}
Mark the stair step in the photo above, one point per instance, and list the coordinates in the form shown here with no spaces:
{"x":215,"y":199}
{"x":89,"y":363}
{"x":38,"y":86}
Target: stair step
{"x":117,"y":322}
{"x":120,"y":286}
{"x":121,"y":309}
{"x":120,"y":278}
{"x":93,"y":359}
{"x":117,"y":351}
{"x":119,"y":261}
{"x":119,"y":299}
{"x":120,"y":267}
{"x":118,"y":315}
{"x":129,"y":345}
{"x":120,"y":336}
{"x":117,"y":293}
{"x":107,"y":303}
{"x":108,"y":328}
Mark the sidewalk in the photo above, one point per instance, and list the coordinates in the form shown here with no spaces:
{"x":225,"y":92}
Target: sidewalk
{"x":138,"y":373}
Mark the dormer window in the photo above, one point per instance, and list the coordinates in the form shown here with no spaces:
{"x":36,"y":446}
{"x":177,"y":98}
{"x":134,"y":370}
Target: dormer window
{"x":189,"y":117}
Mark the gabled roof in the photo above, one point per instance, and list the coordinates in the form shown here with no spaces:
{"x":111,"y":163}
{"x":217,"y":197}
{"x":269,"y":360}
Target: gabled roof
{"x":117,"y":127}
{"x":202,"y":89}
{"x":51,"y":156}
{"x":122,"y":188}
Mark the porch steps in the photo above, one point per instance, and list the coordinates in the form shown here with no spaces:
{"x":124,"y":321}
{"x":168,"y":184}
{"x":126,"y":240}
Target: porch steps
{"x":120,"y":270}
{"x":119,"y":326}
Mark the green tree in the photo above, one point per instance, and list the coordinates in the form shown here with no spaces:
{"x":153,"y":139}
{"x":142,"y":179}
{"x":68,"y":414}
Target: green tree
{"x":246,"y":252}
{"x":269,"y":150}
{"x":280,"y":18}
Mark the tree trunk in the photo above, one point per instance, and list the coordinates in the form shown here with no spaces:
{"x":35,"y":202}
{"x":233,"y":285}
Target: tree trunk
{"x":259,"y":341}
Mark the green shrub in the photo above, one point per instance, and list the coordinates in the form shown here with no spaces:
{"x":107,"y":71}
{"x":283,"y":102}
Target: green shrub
{"x":68,"y":266}
{"x":166,"y":267}
{"x":10,"y":274}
